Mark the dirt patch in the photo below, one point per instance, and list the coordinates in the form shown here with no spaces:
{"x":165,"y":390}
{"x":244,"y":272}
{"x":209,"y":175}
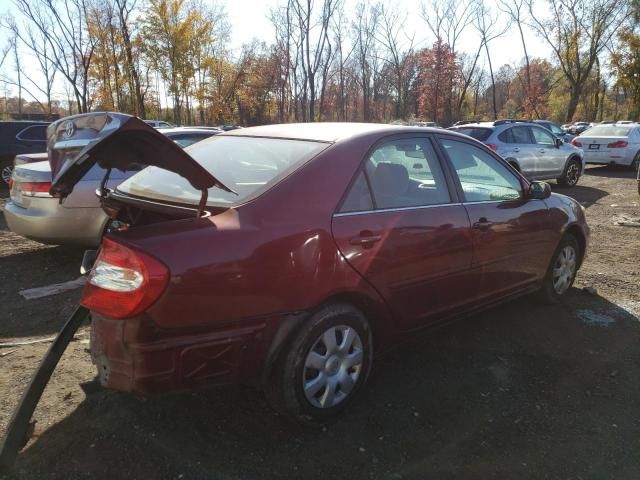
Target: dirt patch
{"x":522,"y":391}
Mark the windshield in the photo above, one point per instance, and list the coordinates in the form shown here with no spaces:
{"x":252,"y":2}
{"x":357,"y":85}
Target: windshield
{"x":247,"y":165}
{"x":608,"y":131}
{"x":474,"y":132}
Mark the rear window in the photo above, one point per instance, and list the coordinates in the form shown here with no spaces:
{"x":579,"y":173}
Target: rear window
{"x":609,"y":131}
{"x":475,"y":132}
{"x":247,"y":165}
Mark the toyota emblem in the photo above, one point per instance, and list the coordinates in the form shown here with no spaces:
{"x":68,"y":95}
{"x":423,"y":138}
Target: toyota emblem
{"x":69,"y":129}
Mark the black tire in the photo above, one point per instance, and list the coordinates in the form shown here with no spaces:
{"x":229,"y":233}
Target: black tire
{"x":571,"y":173}
{"x":635,"y":165}
{"x":6,"y":167}
{"x":284,"y":388}
{"x":549,"y":292}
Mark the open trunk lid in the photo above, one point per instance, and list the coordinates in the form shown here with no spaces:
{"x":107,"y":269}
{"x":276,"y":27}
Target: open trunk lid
{"x":115,"y":141}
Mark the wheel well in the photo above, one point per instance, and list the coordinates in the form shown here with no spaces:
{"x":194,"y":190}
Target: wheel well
{"x":579,"y":236}
{"x":291,"y":324}
{"x":371,"y":309}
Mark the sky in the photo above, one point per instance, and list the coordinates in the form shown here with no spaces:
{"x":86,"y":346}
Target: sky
{"x":249,"y":19}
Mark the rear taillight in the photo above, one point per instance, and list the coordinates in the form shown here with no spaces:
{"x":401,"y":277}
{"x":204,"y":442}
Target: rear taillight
{"x":123,"y":282}
{"x":576,"y":143}
{"x":492,"y":146}
{"x":10,"y":183}
{"x":618,"y":144}
{"x":35,"y":189}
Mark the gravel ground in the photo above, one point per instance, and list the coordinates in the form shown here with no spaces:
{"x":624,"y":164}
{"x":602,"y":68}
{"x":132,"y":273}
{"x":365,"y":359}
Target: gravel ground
{"x":521,"y":391}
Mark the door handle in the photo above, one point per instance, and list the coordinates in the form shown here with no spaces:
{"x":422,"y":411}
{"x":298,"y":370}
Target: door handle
{"x":365,"y":239}
{"x":542,"y":150}
{"x":516,"y":149}
{"x":482,"y":224}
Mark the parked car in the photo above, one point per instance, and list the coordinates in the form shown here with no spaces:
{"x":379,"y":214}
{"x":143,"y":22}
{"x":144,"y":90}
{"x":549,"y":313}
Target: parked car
{"x":18,"y":137}
{"x":33,"y":213}
{"x":578,"y":127}
{"x":530,"y":149}
{"x":185,"y":136}
{"x":555,"y":129}
{"x":158,"y":124}
{"x":617,"y":144}
{"x":293,"y":255}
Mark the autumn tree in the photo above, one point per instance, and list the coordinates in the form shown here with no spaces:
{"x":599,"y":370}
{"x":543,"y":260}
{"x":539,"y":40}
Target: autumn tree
{"x":439,"y":75}
{"x":577,"y":32}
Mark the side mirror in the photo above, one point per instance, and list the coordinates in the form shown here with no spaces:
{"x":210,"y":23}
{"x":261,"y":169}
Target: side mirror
{"x":559,"y":142}
{"x":539,"y":190}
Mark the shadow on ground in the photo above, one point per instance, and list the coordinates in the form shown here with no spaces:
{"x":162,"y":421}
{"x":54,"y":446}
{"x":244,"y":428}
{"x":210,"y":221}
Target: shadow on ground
{"x":37,"y":268}
{"x":521,"y":391}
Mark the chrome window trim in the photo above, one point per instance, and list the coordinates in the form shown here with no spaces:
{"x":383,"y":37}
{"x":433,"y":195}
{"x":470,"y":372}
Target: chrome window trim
{"x":396,"y":209}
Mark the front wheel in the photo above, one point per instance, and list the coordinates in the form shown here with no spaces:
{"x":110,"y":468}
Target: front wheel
{"x":562,"y":270}
{"x":635,"y":165}
{"x":323,"y":367}
{"x":571,"y":174}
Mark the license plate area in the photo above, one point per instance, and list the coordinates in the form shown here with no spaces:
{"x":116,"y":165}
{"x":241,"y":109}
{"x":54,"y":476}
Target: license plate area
{"x":594,"y":146}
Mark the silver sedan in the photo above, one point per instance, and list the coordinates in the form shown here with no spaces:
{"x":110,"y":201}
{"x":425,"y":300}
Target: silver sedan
{"x":78,"y":219}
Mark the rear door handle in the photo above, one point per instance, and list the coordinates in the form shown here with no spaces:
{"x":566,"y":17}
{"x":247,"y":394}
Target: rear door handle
{"x":542,"y":150}
{"x":482,"y":224}
{"x":365,"y":239}
{"x":516,"y":149}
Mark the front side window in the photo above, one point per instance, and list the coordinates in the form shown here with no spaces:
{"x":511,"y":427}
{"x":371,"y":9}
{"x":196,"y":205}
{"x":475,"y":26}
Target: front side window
{"x":543,"y":137}
{"x":482,"y":177}
{"x":247,"y":165}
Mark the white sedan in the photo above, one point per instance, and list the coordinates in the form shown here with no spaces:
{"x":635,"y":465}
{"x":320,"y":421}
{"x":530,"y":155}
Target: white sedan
{"x":611,"y":145}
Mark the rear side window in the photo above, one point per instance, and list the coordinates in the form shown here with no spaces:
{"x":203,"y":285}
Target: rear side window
{"x":516,"y":135}
{"x":35,"y":133}
{"x":474,"y":132}
{"x":359,"y":197}
{"x":406,"y":173}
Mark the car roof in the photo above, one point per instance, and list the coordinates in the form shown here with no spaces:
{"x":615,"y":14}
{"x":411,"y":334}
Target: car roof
{"x":325,"y":131}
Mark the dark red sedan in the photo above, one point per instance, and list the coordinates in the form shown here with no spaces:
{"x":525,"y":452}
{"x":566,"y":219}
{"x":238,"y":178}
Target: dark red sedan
{"x":292,"y":255}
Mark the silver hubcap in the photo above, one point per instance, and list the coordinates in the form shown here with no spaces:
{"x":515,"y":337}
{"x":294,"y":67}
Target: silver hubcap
{"x":564,"y":269}
{"x":332,"y":366}
{"x":572,"y":174}
{"x":6,"y":174}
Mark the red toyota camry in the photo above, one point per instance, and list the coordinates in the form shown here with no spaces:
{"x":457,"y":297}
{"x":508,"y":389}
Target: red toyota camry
{"x":292,"y":255}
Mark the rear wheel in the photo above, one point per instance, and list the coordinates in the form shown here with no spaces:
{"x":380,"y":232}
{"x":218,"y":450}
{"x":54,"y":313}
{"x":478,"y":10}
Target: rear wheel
{"x":6,"y":169}
{"x":562,"y":270}
{"x":323,"y":367}
{"x":571,"y":173}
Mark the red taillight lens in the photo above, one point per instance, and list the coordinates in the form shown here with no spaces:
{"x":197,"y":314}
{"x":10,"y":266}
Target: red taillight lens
{"x":10,"y":183}
{"x":492,"y":146}
{"x":576,"y":143}
{"x":35,"y":189}
{"x":618,"y":144}
{"x":123,"y":282}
